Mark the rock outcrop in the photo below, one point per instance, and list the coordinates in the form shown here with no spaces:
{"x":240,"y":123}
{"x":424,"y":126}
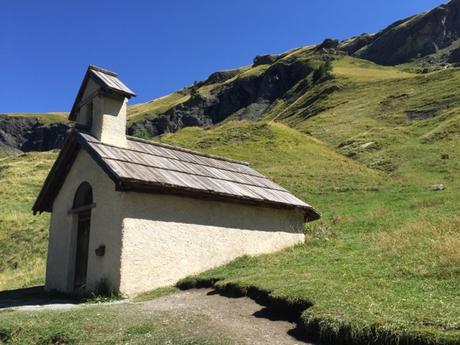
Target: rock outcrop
{"x":411,"y":38}
{"x":255,"y":93}
{"x":28,"y":134}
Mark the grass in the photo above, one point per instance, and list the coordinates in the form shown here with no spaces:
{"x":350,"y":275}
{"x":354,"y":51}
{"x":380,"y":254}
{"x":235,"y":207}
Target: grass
{"x":23,"y":237}
{"x":365,"y":71}
{"x":43,"y":118}
{"x":157,"y":293}
{"x":151,"y":109}
{"x":110,"y":324}
{"x":412,"y":122}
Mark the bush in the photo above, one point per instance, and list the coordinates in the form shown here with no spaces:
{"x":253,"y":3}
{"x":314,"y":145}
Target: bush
{"x":322,"y":72}
{"x":141,"y":133}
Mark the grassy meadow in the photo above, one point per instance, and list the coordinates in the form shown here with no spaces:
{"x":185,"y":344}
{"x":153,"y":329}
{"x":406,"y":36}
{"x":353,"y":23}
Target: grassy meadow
{"x":43,"y":118}
{"x":369,"y":148}
{"x":23,"y":237}
{"x":107,"y":324}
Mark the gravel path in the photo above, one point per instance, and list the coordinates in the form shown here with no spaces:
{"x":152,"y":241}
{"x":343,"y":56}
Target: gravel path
{"x":240,"y":319}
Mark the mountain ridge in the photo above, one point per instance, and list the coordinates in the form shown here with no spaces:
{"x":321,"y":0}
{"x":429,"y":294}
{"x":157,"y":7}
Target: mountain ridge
{"x":274,"y":84}
{"x":411,"y":38}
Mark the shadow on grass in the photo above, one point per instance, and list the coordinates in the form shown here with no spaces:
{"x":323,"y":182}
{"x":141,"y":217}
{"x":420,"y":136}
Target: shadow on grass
{"x":33,"y":296}
{"x":297,"y":332}
{"x":272,"y":309}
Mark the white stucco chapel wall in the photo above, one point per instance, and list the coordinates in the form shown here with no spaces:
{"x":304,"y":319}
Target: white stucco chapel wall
{"x":105,"y":229}
{"x":166,"y":237}
{"x":153,"y":240}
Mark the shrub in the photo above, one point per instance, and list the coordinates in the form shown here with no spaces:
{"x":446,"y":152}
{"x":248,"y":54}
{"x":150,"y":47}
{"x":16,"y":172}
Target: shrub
{"x":322,"y":72}
{"x":141,"y":133}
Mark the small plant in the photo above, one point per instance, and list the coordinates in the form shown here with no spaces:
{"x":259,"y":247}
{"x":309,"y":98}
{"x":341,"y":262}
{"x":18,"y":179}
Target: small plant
{"x":104,"y":292}
{"x":57,"y":339}
{"x":321,"y":229}
{"x":5,"y":335}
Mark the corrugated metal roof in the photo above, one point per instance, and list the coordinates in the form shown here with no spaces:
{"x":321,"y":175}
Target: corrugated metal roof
{"x":165,"y":166}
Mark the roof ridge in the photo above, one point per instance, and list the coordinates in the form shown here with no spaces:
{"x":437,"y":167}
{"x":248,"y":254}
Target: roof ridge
{"x":178,"y":148}
{"x":102,"y":70}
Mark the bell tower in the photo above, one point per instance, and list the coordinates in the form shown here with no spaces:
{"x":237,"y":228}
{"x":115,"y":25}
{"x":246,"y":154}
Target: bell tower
{"x":101,"y":106}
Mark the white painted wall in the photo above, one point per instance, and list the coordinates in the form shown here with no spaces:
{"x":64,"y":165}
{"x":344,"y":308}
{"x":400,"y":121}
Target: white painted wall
{"x":105,"y":229}
{"x":166,"y":238}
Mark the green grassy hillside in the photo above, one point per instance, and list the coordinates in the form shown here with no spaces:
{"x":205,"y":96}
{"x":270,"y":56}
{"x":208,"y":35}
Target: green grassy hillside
{"x":23,"y":237}
{"x":404,"y":124}
{"x":43,"y":118}
{"x":411,"y":120}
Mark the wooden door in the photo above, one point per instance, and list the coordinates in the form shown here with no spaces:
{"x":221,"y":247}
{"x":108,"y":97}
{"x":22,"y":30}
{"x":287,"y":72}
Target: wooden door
{"x":81,"y":259}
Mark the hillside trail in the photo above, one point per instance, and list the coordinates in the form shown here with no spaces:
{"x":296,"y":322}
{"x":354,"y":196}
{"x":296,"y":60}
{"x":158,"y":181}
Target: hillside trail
{"x":240,"y":319}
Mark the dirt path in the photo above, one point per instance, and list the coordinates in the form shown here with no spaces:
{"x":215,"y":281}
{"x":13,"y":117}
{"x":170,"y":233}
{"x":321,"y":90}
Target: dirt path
{"x":240,"y":319}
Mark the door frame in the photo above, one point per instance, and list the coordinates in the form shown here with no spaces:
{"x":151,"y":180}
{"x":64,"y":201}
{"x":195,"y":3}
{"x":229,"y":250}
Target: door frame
{"x":81,"y":256}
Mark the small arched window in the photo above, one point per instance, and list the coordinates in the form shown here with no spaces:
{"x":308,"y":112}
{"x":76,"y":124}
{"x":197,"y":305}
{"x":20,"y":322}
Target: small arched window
{"x":83,"y":196}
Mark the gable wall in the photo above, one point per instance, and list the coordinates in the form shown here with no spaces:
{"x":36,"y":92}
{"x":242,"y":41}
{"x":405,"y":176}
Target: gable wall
{"x":105,"y":229}
{"x":166,"y":237}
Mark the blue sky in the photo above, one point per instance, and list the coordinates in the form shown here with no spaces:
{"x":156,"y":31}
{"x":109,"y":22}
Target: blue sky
{"x":160,"y":46}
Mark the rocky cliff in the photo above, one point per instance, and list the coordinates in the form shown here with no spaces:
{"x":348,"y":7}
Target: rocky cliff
{"x":412,"y":38}
{"x":29,"y":134}
{"x":241,"y":94}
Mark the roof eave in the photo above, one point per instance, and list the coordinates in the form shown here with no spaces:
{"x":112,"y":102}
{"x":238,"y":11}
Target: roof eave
{"x":125,"y":185}
{"x":106,"y":88}
{"x":311,"y":214}
{"x":61,"y":166}
{"x":55,"y":179}
{"x":73,"y":111}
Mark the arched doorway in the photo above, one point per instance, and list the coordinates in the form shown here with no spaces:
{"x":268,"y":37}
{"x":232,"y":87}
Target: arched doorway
{"x":82,"y":204}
